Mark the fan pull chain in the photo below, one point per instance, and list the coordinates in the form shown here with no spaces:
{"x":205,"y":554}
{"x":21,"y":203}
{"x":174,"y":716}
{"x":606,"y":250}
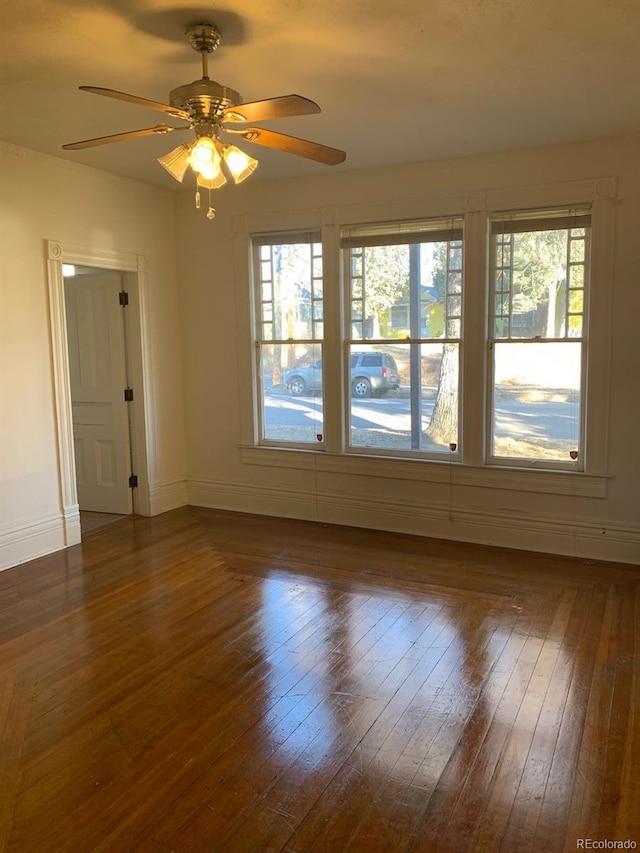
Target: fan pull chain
{"x":211,"y":212}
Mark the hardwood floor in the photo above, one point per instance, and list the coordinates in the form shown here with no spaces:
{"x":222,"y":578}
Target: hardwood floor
{"x":205,"y":681}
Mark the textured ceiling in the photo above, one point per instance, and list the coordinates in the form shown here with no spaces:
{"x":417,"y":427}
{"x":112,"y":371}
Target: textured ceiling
{"x":397,"y":82}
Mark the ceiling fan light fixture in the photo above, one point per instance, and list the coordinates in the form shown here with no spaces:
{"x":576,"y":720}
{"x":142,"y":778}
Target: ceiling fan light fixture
{"x":176,"y":162}
{"x":240,"y":164}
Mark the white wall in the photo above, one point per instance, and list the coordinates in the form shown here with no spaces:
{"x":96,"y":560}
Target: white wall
{"x":217,"y":351}
{"x":43,"y":198}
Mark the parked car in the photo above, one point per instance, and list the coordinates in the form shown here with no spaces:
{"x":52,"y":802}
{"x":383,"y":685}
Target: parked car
{"x":372,"y":373}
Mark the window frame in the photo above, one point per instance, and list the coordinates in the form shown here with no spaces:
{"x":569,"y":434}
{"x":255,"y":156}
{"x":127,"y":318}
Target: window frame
{"x":309,"y":237}
{"x":526,"y":221}
{"x":437,"y":229}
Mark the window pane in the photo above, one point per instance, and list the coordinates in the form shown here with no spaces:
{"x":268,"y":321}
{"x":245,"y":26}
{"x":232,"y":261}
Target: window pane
{"x":453,"y":328}
{"x":530,"y":282}
{"x":575,"y":326}
{"x":576,"y":276}
{"x":385,"y":285}
{"x":289,"y":294}
{"x":291,"y":392}
{"x":536,"y":400}
{"x":404,"y":397}
{"x":503,"y":280}
{"x":576,"y":301}
{"x":577,"y":251}
{"x":454,"y":306}
{"x":383,"y":279}
{"x":455,"y":255}
{"x":455,"y":282}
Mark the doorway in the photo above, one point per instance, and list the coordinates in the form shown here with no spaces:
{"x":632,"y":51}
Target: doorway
{"x":96,"y":346}
{"x":99,"y":359}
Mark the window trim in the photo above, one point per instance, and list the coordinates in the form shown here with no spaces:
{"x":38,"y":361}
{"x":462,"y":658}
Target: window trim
{"x":600,"y":192}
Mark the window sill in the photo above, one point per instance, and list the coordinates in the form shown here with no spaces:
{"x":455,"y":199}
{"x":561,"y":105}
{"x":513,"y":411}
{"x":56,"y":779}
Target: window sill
{"x":577,"y":484}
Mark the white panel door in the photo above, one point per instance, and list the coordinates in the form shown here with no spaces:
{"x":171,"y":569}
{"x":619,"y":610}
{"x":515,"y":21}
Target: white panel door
{"x":97,"y":368}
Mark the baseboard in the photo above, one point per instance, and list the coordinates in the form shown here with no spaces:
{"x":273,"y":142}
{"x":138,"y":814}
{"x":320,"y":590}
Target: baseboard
{"x":587,"y":539}
{"x":167,"y":496}
{"x":73,"y":533}
{"x":23,"y":542}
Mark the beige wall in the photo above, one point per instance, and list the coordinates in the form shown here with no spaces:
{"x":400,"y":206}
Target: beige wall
{"x":43,"y":198}
{"x":217,"y":349}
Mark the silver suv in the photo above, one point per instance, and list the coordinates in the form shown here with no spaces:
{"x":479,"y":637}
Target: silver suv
{"x":372,"y":373}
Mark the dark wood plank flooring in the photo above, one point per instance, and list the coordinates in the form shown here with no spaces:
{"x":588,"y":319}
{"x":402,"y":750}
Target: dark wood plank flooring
{"x":206,"y":681}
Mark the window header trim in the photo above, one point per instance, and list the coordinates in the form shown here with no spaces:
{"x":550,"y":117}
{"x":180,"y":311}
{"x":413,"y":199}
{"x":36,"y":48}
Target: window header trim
{"x":548,"y":220}
{"x":399,"y":233}
{"x":286,"y":238}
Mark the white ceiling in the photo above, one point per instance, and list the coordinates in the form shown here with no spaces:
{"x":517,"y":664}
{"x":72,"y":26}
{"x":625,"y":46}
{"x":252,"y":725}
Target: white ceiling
{"x":397,"y":82}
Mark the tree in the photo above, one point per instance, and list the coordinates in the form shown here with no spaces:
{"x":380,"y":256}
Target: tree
{"x":385,"y":282}
{"x":539,"y":277}
{"x":443,"y":426}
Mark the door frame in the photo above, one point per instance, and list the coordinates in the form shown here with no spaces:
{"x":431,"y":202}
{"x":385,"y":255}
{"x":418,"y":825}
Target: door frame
{"x":134,"y":269}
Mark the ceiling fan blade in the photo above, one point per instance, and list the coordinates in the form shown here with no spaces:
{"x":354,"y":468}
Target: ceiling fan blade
{"x":282,"y":107}
{"x":294,"y":145}
{"x":119,"y":137}
{"x":175,"y":112}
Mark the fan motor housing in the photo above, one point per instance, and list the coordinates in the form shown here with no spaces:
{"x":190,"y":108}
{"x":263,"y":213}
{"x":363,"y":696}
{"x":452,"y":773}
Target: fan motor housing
{"x":204,"y":98}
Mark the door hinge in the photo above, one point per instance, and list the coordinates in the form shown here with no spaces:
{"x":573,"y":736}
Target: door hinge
{"x":133,"y":481}
{"x":128,"y":395}
{"x":124,"y":297}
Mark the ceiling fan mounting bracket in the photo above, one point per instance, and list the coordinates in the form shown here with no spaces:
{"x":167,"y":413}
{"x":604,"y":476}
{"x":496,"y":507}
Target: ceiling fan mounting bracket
{"x":203,"y":38}
{"x":204,"y":127}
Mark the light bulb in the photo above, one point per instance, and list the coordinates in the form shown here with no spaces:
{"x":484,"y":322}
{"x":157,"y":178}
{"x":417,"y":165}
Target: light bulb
{"x":209,"y":170}
{"x":203,"y":154}
{"x":240,"y":164}
{"x":218,"y":180}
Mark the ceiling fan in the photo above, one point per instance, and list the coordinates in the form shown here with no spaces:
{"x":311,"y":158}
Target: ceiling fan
{"x":209,"y":109}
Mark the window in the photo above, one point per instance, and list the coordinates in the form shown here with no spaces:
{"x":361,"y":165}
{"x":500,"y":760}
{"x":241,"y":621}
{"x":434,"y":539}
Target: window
{"x":290,"y":331}
{"x":464,"y":339}
{"x":404,"y":306}
{"x":537,"y":336}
